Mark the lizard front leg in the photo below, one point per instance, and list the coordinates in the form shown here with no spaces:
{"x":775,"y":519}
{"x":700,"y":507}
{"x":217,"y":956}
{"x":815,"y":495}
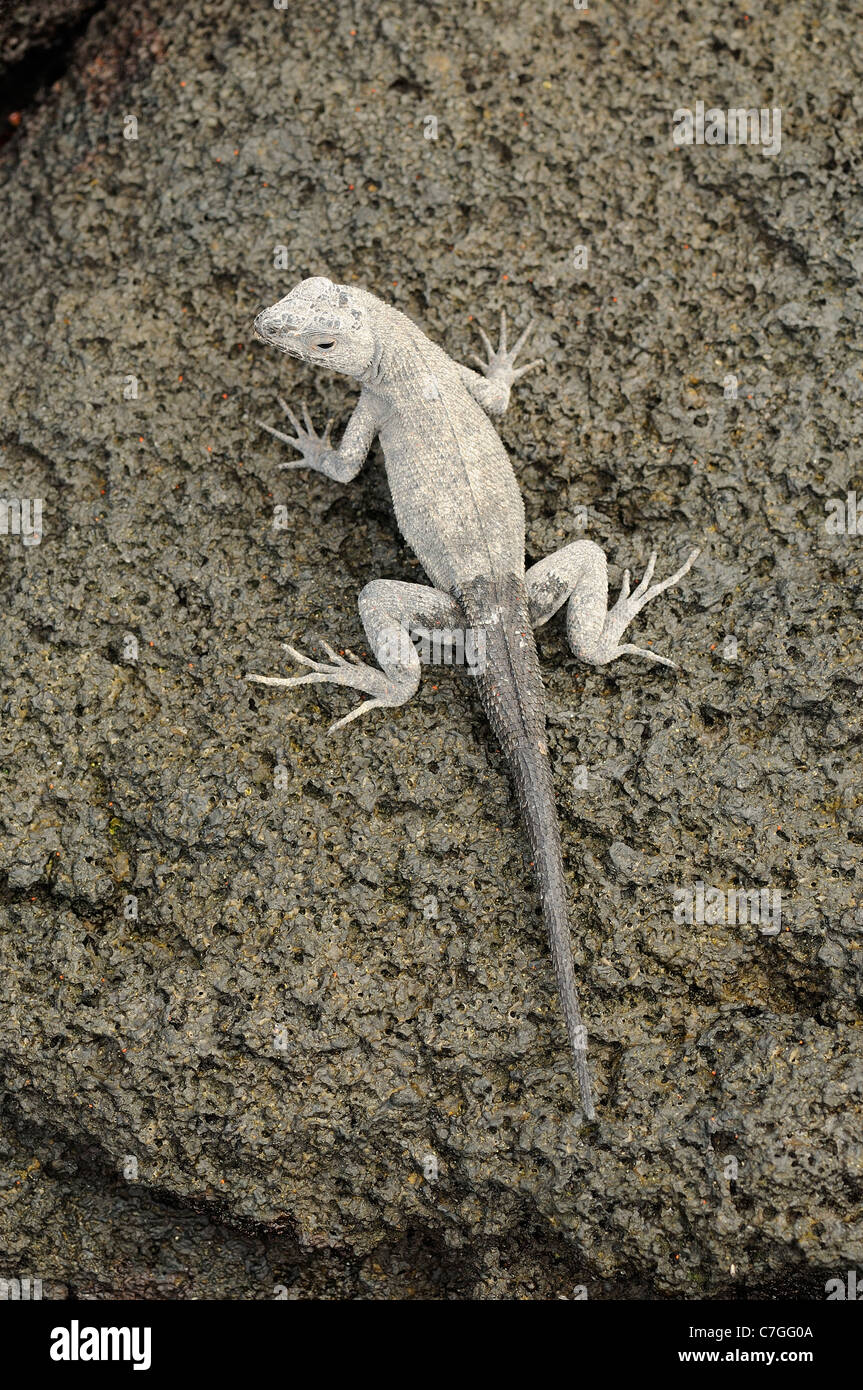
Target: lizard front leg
{"x":578,"y":576}
{"x":491,"y":390}
{"x":342,"y":464}
{"x":392,"y":613}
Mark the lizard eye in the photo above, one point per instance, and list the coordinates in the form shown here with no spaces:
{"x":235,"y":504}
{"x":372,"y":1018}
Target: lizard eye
{"x":324,"y":347}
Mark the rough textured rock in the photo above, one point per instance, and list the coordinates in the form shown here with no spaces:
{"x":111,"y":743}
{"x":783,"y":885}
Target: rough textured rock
{"x":28,"y":25}
{"x":38,"y":41}
{"x":337,"y":966}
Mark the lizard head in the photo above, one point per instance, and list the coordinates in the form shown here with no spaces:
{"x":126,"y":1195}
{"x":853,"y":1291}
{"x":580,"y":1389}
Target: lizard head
{"x":321,"y":323}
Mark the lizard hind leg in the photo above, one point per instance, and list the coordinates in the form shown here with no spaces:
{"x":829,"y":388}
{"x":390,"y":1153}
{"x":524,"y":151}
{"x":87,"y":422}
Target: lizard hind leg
{"x":391,"y":612}
{"x":578,"y":576}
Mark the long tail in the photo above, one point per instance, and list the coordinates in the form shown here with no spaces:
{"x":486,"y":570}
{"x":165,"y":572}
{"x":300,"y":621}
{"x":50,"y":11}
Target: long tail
{"x":510,"y":687}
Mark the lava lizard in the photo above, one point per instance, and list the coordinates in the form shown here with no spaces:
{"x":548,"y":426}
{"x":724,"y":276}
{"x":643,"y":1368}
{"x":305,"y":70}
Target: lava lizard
{"x":459,"y":507}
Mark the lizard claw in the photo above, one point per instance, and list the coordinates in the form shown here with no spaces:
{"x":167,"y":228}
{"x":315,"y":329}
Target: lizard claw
{"x":315,"y":448}
{"x":644,"y":592}
{"x":629,"y":649}
{"x":290,"y":414}
{"x":278,"y":433}
{"x":486,"y":342}
{"x":352,"y":672}
{"x":629,"y":604}
{"x":500,"y":365}
{"x":302,"y":660}
{"x":355,"y":714}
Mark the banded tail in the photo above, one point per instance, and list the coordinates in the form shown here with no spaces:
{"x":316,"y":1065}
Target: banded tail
{"x":511,"y":691}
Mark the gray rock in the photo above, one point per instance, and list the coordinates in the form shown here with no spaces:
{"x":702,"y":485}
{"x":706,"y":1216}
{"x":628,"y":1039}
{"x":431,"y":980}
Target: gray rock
{"x":284,"y":1033}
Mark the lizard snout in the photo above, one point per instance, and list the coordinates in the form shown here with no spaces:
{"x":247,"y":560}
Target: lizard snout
{"x":278,"y":329}
{"x":261,"y":325}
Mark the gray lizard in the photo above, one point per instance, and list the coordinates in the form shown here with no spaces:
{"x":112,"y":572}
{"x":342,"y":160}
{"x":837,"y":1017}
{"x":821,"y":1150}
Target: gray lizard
{"x":459,"y":507}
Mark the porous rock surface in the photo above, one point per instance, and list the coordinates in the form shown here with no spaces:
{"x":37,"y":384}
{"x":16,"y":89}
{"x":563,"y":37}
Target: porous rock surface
{"x":294,"y":976}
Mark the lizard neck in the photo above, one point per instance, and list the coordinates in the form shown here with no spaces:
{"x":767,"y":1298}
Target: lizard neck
{"x":404,"y":360}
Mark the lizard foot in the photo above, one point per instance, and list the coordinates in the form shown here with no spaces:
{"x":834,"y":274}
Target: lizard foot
{"x":352,"y":673}
{"x":628,"y":606}
{"x":500,"y":366}
{"x":315,"y":448}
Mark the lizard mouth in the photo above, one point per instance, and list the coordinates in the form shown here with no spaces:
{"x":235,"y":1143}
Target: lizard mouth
{"x":264,"y":336}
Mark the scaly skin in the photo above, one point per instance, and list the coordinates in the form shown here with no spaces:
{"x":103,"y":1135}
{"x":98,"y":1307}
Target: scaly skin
{"x":458,"y":506}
